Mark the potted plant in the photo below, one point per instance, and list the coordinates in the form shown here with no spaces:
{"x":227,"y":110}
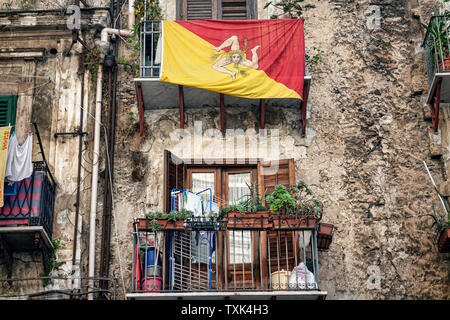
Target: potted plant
{"x":157,"y":221}
{"x":438,"y":42}
{"x":249,"y":212}
{"x":443,"y":229}
{"x":282,"y":201}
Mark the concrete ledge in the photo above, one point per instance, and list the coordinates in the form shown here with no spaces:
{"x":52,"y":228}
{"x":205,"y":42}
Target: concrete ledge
{"x":16,"y":236}
{"x":230,"y":295}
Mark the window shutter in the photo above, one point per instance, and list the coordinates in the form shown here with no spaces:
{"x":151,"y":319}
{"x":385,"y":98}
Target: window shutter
{"x":196,"y":9}
{"x":271,"y":173}
{"x":8,"y":106}
{"x":173,"y":176}
{"x":199,"y":9}
{"x":234,"y":10}
{"x":216,"y":9}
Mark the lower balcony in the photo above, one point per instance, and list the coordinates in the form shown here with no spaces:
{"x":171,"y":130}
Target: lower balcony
{"x":221,"y":260}
{"x":26,"y":218}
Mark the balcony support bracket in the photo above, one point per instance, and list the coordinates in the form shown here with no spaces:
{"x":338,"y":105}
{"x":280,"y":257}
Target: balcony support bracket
{"x":303,"y":106}
{"x":8,"y":257}
{"x":45,"y":254}
{"x":222,"y":114}
{"x":181,"y":97}
{"x":435,"y":105}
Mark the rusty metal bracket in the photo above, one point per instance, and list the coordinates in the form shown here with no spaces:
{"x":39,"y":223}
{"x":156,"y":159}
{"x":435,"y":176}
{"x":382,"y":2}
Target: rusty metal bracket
{"x":435,"y":105}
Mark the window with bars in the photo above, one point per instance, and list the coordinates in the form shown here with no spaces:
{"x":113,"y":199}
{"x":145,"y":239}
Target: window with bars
{"x":216,"y":9}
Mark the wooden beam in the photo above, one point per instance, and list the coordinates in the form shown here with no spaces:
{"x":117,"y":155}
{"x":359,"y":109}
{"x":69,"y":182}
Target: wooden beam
{"x":222,"y":114}
{"x":304,"y":104}
{"x":181,"y":99}
{"x":141,"y":109}
{"x":436,"y":105}
{"x":219,"y":259}
{"x":263,"y":253}
{"x":262,"y":106}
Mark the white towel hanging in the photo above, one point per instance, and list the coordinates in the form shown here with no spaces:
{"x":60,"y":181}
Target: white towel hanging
{"x":19,"y":161}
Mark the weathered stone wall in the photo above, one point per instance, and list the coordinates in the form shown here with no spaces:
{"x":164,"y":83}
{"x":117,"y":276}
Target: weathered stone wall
{"x":35,"y":67}
{"x":366,"y":139}
{"x":365,"y":161}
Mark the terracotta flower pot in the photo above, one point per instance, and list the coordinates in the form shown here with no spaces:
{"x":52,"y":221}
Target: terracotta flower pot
{"x":446,"y":65}
{"x":294,"y":221}
{"x":249,"y":220}
{"x":444,"y":240}
{"x":145,"y":224}
{"x":324,"y":236}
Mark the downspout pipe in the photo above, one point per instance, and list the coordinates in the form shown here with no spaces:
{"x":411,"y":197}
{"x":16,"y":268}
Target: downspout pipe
{"x":94,"y":190}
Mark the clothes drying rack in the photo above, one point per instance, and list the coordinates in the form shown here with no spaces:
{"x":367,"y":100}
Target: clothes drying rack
{"x":183,"y":277}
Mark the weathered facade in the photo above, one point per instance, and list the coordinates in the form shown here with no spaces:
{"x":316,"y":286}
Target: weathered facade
{"x":367,"y":135}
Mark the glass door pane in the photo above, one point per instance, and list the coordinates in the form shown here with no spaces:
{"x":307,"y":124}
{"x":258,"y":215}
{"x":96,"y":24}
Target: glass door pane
{"x":237,"y":186}
{"x":240,"y":241}
{"x":202,"y":181}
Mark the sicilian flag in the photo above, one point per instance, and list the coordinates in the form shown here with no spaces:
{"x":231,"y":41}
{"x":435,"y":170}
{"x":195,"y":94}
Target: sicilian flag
{"x":245,"y":58}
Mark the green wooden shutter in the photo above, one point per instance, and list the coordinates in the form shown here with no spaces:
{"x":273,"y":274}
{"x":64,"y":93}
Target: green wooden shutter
{"x":8,"y":106}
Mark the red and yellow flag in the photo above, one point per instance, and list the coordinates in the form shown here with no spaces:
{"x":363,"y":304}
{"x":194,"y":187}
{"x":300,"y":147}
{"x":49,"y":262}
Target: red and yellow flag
{"x":244,"y":58}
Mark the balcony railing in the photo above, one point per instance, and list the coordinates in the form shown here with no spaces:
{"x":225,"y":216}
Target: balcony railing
{"x":218,"y":257}
{"x":33,"y":202}
{"x":437,"y":46}
{"x":150,"y":53}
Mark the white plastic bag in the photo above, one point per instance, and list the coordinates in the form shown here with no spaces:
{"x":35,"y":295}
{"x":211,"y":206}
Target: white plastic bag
{"x":302,"y":278}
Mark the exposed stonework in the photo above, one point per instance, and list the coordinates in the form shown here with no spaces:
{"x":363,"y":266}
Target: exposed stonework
{"x":367,"y":135}
{"x":365,"y":161}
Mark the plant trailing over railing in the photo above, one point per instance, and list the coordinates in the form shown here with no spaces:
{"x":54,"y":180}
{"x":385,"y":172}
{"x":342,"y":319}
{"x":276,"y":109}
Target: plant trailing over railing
{"x":293,"y":9}
{"x":439,"y":42}
{"x":305,"y":203}
{"x":440,"y":222}
{"x":297,"y":200}
{"x":173,"y":216}
{"x":145,"y":10}
{"x":53,"y":264}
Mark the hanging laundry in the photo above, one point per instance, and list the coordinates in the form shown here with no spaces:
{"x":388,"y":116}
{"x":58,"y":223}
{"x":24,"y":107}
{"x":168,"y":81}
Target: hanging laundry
{"x":194,"y":204}
{"x":19,"y":162}
{"x":210,"y":208}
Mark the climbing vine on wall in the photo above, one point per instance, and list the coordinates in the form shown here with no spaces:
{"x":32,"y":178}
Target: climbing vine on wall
{"x":53,"y":264}
{"x":145,"y":10}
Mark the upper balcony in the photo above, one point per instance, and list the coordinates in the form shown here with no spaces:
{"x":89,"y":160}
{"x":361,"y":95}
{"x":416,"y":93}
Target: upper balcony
{"x":437,"y":56}
{"x":153,"y":92}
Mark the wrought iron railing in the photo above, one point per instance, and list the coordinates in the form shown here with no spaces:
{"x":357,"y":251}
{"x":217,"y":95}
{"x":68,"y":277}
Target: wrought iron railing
{"x":57,"y":288}
{"x":34,"y":200}
{"x":151,"y":49}
{"x":437,"y":46}
{"x":225,"y":256}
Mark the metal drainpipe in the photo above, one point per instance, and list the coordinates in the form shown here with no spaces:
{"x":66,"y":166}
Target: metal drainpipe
{"x":80,"y":146}
{"x":109,"y":170}
{"x":93,"y":213}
